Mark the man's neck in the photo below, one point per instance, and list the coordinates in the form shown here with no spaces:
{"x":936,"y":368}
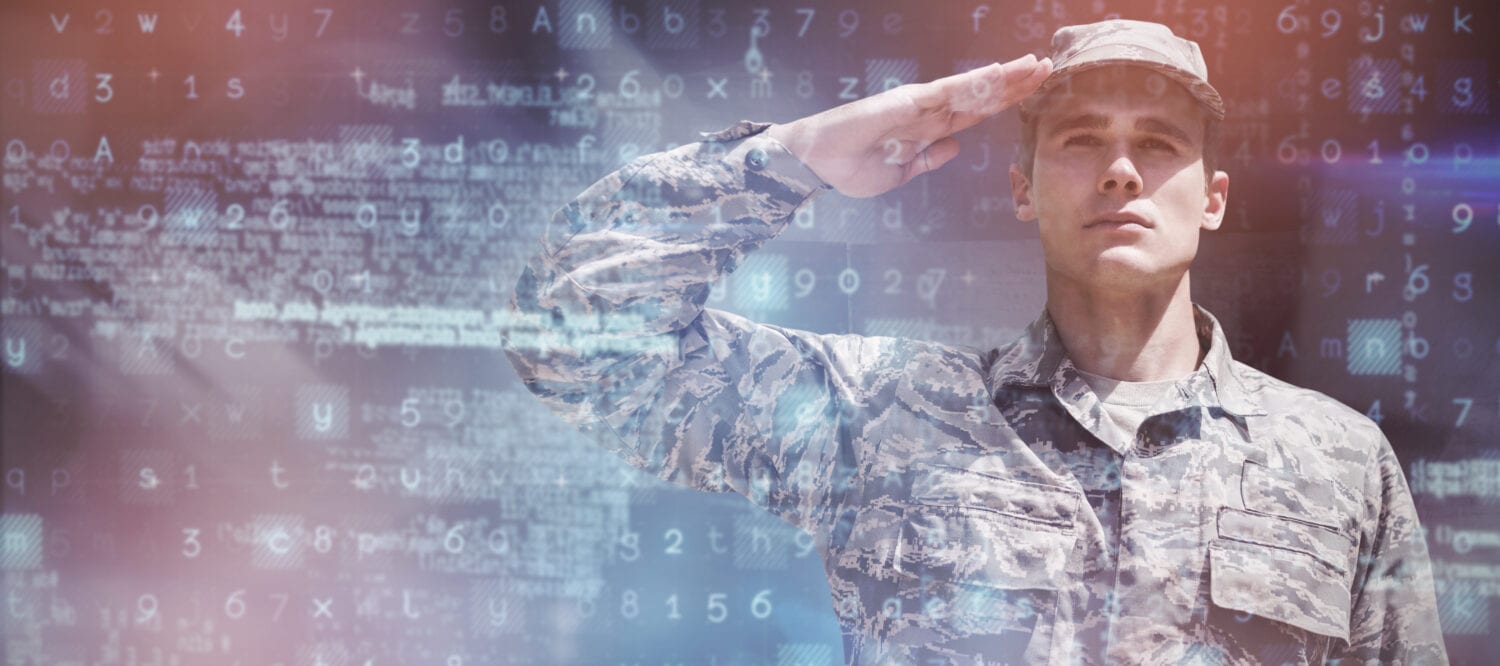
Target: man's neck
{"x":1141,"y":335}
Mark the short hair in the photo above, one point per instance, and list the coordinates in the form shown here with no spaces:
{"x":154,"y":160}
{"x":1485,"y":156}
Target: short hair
{"x":1031,"y":118}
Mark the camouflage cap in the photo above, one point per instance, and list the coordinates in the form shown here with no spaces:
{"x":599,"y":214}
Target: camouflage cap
{"x":1078,"y":48}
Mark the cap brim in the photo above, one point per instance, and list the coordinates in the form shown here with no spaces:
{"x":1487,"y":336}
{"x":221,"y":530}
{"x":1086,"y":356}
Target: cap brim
{"x":1109,"y":55}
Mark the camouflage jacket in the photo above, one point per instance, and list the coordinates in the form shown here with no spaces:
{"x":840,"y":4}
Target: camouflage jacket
{"x":969,"y":505}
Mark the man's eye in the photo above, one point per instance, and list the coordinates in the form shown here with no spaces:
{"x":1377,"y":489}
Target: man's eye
{"x":1158,"y":144}
{"x":1082,"y":140}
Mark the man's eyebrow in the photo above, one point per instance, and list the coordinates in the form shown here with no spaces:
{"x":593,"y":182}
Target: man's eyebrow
{"x":1079,"y":121}
{"x":1159,"y":126}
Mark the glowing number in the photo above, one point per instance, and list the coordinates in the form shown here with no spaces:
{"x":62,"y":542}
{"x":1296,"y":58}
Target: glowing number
{"x":1332,"y":151}
{"x":805,"y":543}
{"x":1463,"y":91}
{"x":1331,"y":21}
{"x":234,"y":606}
{"x":760,"y":606}
{"x":190,"y":544}
{"x":498,"y":24}
{"x":323,"y":539}
{"x":848,"y":22}
{"x":892,"y":281}
{"x":1331,"y":281}
{"x":322,"y":281}
{"x":630,"y":546}
{"x":1463,"y":412}
{"x":145,"y":607}
{"x":279,"y":216}
{"x":366,"y":216}
{"x":1417,"y":283}
{"x":762,"y":25}
{"x":849,"y":281}
{"x":716,"y":25}
{"x":327,"y":15}
{"x":1463,"y":287}
{"x":1417,"y":153}
{"x":104,"y":91}
{"x":1286,"y":21}
{"x":454,"y":541}
{"x":717,"y":611}
{"x":893,"y":149}
{"x":672,"y":86}
{"x":1463,"y":216}
{"x":235,"y":24}
{"x":629,"y":85}
{"x":807,"y":12}
{"x":410,"y":417}
{"x":454,"y":410}
{"x":805,"y":280}
{"x":673,"y":547}
{"x":1286,"y":151}
{"x":629,"y":605}
{"x":672,"y":612}
{"x":586,"y":86}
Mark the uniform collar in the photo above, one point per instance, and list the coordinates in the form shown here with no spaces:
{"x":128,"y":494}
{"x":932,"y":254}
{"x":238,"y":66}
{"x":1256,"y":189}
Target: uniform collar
{"x":1037,"y":359}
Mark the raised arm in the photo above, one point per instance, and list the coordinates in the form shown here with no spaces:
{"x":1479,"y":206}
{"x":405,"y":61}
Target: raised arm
{"x":611,"y":330}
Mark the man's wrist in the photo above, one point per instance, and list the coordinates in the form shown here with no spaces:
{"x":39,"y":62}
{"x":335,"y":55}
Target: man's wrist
{"x":791,"y":138}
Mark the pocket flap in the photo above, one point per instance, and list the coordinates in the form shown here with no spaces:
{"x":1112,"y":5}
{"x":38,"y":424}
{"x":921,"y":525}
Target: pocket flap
{"x":1329,"y":547}
{"x":1282,"y":493}
{"x":954,"y":486}
{"x":981,"y":547}
{"x":1279,"y":585}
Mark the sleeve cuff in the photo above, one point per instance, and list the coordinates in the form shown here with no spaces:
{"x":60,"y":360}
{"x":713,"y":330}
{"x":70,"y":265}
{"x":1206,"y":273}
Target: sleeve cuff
{"x":762,"y":155}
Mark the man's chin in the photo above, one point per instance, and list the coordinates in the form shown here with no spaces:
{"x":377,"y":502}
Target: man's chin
{"x":1124,"y":266}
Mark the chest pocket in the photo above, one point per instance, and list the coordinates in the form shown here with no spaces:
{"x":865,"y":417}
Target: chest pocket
{"x":971,"y":554}
{"x":1288,"y":556}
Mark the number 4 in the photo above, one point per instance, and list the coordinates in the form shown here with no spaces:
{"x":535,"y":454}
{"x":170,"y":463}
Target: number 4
{"x":235,"y":24}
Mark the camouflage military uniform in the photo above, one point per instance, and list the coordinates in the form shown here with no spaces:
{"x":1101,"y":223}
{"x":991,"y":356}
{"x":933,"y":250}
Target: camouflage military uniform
{"x":970,"y":505}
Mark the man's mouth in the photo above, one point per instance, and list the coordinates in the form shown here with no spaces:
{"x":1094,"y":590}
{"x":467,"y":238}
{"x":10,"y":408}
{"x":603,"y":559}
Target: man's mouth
{"x":1119,"y":221}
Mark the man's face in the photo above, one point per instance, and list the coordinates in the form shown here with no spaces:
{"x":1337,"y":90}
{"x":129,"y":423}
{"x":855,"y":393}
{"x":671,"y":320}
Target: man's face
{"x":1118,"y":182}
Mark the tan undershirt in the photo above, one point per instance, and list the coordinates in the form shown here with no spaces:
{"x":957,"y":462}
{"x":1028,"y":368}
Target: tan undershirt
{"x":1126,"y":403}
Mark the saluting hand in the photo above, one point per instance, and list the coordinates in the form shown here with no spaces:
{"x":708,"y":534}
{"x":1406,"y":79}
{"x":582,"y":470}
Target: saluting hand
{"x":871,"y":146}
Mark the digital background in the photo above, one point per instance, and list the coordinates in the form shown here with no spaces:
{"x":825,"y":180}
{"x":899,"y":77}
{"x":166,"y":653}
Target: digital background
{"x":256,"y":255}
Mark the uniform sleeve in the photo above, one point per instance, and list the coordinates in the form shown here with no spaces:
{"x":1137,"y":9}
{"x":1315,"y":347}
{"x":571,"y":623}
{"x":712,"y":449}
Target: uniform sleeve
{"x":1394,"y":618}
{"x":611,"y":333}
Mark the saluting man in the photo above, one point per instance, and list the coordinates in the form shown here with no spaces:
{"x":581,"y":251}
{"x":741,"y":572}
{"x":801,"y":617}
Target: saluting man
{"x":1111,"y":487}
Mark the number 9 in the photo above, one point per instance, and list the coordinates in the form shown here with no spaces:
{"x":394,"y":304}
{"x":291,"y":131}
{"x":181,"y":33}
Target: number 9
{"x":805,"y":280}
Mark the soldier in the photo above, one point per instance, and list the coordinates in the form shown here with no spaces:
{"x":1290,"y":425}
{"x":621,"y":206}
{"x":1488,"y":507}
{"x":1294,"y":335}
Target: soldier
{"x":1111,"y":487}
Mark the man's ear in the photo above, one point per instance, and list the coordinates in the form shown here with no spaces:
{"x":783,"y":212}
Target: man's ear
{"x":1020,"y":194}
{"x":1216,"y":201}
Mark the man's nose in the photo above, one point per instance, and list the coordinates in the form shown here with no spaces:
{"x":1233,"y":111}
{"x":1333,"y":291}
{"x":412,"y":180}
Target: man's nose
{"x":1120,"y":175}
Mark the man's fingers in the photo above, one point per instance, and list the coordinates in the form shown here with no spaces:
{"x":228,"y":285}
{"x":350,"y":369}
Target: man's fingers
{"x":936,"y":154}
{"x":1010,"y":83}
{"x":981,"y":93}
{"x":1033,"y":80}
